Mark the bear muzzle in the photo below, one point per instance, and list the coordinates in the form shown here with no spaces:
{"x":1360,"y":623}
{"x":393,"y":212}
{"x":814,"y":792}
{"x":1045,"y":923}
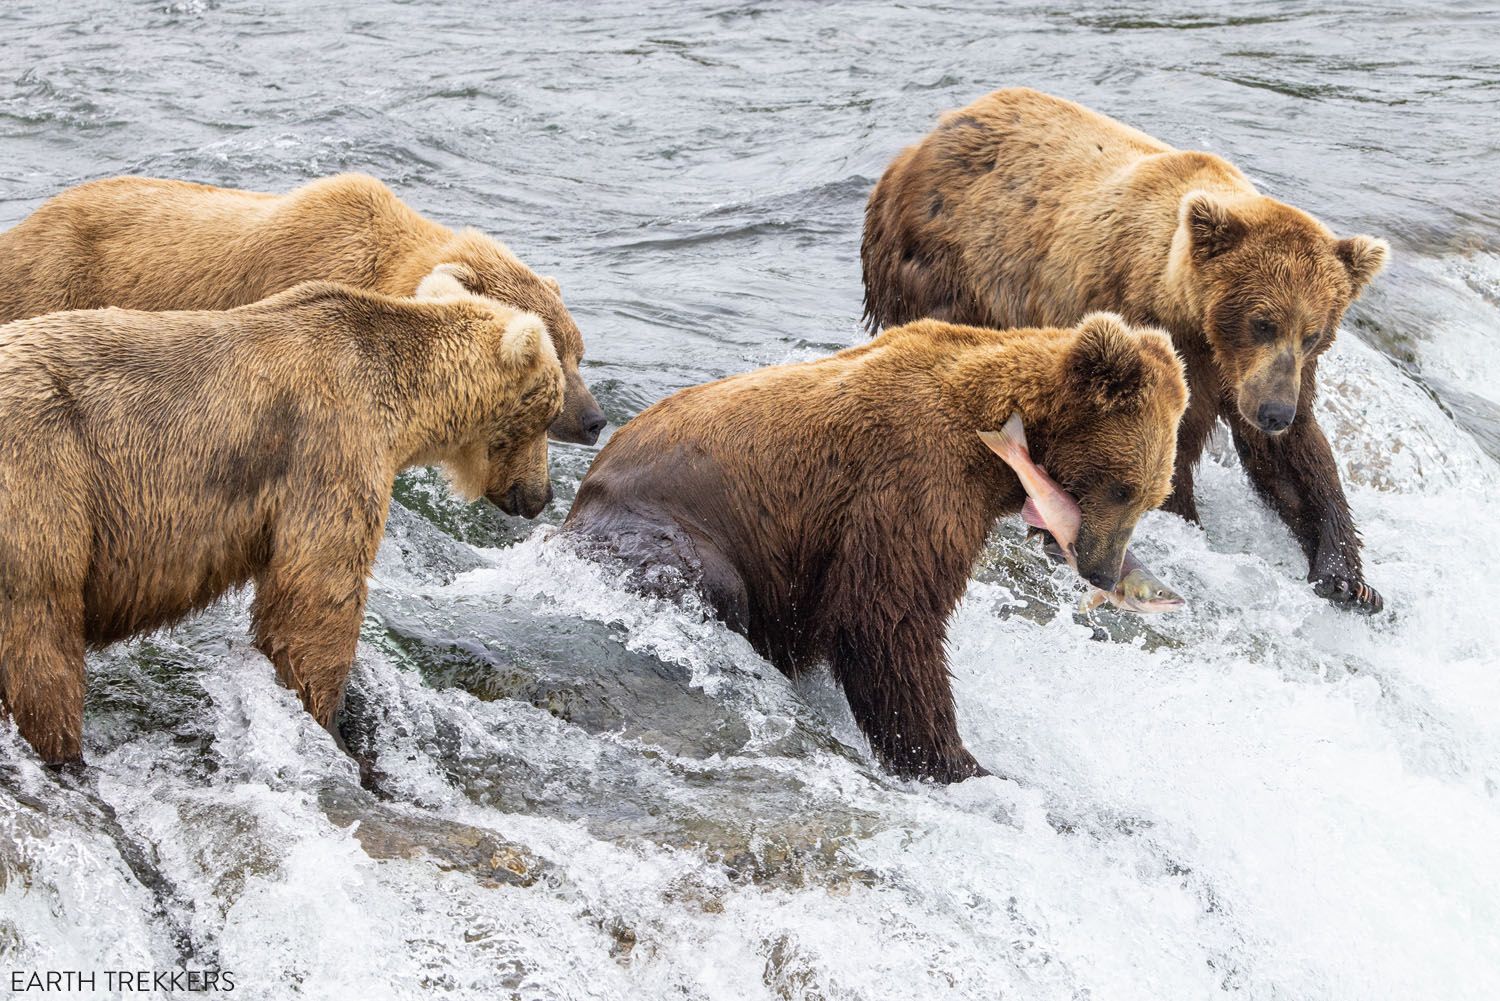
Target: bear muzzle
{"x":581,"y":420}
{"x":1274,"y":416}
{"x":1103,"y":581}
{"x":1268,"y":397}
{"x":1100,"y":557}
{"x":522,"y":501}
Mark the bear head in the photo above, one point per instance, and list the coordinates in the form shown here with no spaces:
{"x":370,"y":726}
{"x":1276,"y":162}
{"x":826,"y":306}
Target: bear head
{"x":486,"y":267}
{"x":1109,"y":433}
{"x":1271,"y":284}
{"x":501,"y":453}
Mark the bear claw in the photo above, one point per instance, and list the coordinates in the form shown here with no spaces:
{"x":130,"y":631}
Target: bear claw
{"x":1348,"y":593}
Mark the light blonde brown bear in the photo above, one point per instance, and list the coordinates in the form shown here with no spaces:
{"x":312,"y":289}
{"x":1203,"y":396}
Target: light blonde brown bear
{"x":151,"y":462}
{"x":144,"y":243}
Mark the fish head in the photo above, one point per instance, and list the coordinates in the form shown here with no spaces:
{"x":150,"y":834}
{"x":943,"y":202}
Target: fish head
{"x":1141,"y":592}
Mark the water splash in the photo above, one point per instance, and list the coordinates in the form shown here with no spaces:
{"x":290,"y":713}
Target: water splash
{"x":590,"y":794}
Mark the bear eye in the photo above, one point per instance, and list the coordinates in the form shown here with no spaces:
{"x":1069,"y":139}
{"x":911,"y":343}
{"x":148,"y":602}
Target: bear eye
{"x":1311,"y":340}
{"x":1262,"y":329}
{"x":1120,"y":493}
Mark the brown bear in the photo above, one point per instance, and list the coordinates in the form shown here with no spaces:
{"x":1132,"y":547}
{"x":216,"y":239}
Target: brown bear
{"x":1025,"y":209}
{"x":152,"y":462}
{"x":833,"y":510}
{"x":142,"y":243}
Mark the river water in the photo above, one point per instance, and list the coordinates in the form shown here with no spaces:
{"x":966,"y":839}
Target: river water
{"x":590,"y":795}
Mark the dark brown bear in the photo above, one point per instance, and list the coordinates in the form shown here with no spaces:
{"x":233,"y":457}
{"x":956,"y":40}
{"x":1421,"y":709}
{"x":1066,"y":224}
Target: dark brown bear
{"x":1027,"y":209}
{"x":833,"y":510}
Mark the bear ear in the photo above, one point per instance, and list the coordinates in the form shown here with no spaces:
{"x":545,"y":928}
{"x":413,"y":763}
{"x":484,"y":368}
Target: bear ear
{"x":1104,"y":364}
{"x":1212,"y":229}
{"x":1165,"y":377}
{"x":1363,"y":257}
{"x":448,"y":280}
{"x":552,"y":284}
{"x":525,"y":341}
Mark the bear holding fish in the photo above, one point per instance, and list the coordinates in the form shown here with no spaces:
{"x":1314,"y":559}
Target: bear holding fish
{"x":832,"y":511}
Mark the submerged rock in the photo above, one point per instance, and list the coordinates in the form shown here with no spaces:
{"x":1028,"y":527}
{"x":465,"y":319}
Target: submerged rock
{"x":678,"y":766}
{"x":578,"y":671}
{"x":386,"y":831}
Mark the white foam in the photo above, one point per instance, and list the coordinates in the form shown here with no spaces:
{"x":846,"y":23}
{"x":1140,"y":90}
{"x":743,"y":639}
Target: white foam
{"x":1262,"y":796}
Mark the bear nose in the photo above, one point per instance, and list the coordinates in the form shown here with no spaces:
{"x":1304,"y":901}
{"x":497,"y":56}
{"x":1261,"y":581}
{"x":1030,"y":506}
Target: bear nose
{"x":518,"y":502}
{"x":1103,"y":581}
{"x":593,"y":424}
{"x":1274,"y":417}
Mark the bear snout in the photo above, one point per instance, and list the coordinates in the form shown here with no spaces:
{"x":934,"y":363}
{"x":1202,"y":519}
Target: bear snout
{"x":592,"y":422}
{"x":1103,"y":580}
{"x":1274,"y":417}
{"x":581,"y":420}
{"x":1101,"y":555}
{"x":523,"y":502}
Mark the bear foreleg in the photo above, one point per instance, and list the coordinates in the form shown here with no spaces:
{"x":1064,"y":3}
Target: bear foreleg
{"x":307,"y":625}
{"x":1297,"y":476}
{"x":1192,"y":435}
{"x":900,"y":693}
{"x":1182,"y":501}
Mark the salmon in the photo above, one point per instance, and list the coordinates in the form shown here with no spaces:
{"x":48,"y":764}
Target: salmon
{"x":1048,"y":506}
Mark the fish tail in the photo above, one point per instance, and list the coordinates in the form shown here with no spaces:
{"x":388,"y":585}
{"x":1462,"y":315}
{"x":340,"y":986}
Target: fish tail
{"x":997,"y":444}
{"x":1009,"y":442}
{"x":1014,"y":432}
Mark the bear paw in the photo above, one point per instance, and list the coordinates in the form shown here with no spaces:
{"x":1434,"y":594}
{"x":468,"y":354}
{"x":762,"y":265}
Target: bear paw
{"x":1349,"y":593}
